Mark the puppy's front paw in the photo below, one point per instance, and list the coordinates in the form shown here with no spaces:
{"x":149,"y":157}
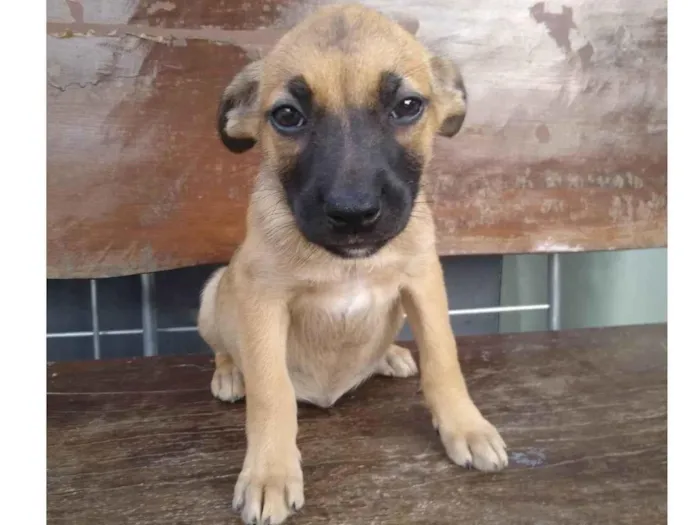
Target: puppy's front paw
{"x":269,"y":490}
{"x":471,"y":441}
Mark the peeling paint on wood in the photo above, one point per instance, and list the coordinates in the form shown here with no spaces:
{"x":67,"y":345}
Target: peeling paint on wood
{"x":564,"y":145}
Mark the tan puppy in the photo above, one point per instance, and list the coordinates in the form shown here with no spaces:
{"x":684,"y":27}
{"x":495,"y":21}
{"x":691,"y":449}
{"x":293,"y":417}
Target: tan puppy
{"x":340,"y":243}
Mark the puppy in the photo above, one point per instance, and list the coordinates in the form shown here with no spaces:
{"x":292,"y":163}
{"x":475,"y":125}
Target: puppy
{"x":340,"y":244}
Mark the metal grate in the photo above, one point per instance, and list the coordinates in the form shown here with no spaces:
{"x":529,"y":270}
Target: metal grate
{"x":150,"y":329}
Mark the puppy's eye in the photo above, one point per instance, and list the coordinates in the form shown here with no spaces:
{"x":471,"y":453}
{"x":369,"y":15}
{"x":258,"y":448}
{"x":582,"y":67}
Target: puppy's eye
{"x":407,"y":111}
{"x":287,"y":119}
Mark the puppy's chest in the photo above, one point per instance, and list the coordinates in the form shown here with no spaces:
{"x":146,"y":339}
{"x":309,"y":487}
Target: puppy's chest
{"x":351,"y":298}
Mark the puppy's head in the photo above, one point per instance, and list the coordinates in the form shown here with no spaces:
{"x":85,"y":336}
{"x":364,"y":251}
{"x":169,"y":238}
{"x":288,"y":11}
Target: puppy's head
{"x":345,"y":108}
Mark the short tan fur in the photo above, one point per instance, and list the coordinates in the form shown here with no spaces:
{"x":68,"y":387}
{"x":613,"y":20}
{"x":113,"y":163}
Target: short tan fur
{"x":290,"y":320}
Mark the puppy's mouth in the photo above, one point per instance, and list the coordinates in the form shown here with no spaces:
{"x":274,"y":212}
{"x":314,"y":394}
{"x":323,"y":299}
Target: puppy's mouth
{"x":353,"y":251}
{"x":354,"y":246}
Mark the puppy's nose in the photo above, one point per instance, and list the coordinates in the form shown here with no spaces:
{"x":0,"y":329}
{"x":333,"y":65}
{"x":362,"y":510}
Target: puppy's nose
{"x":359,"y":215}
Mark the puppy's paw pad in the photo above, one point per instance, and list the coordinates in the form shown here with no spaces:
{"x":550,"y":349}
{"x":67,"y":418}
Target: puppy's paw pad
{"x":475,"y":444}
{"x":227,"y":384}
{"x":263,"y":498}
{"x":398,"y":362}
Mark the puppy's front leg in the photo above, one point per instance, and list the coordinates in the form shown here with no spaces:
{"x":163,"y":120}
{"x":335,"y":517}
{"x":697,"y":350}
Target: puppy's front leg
{"x":468,"y":438}
{"x":270,"y":485}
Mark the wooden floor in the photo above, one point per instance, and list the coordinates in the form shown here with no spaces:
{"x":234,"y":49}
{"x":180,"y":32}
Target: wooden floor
{"x":584,"y":415}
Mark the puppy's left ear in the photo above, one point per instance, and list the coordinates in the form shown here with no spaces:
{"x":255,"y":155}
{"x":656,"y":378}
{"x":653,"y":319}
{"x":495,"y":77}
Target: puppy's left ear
{"x":408,"y":23}
{"x":451,"y":95}
{"x":237,"y":119}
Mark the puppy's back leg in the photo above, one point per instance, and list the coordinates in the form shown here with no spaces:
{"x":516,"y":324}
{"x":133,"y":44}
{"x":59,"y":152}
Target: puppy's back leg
{"x":227,"y":381}
{"x":397,"y":362}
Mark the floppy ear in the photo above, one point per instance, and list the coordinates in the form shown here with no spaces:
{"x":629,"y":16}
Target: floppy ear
{"x":451,"y":95}
{"x":407,"y":22}
{"x":237,"y":120}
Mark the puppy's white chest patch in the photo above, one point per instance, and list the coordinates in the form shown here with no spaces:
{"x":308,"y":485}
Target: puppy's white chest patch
{"x":350,"y":298}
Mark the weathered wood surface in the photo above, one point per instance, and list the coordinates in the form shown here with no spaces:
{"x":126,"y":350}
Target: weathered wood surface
{"x":584,"y":414}
{"x":564,"y":148}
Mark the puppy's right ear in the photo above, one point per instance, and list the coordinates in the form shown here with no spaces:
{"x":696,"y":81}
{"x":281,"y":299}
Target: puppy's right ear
{"x":238,"y":120}
{"x":451,"y":94}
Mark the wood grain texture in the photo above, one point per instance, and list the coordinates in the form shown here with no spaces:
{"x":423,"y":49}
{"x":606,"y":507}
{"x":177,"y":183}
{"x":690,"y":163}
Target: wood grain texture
{"x":584,"y":414}
{"x":564,"y":148}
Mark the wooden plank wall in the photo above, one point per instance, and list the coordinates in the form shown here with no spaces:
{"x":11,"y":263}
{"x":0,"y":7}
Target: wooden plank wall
{"x":564,"y":148}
